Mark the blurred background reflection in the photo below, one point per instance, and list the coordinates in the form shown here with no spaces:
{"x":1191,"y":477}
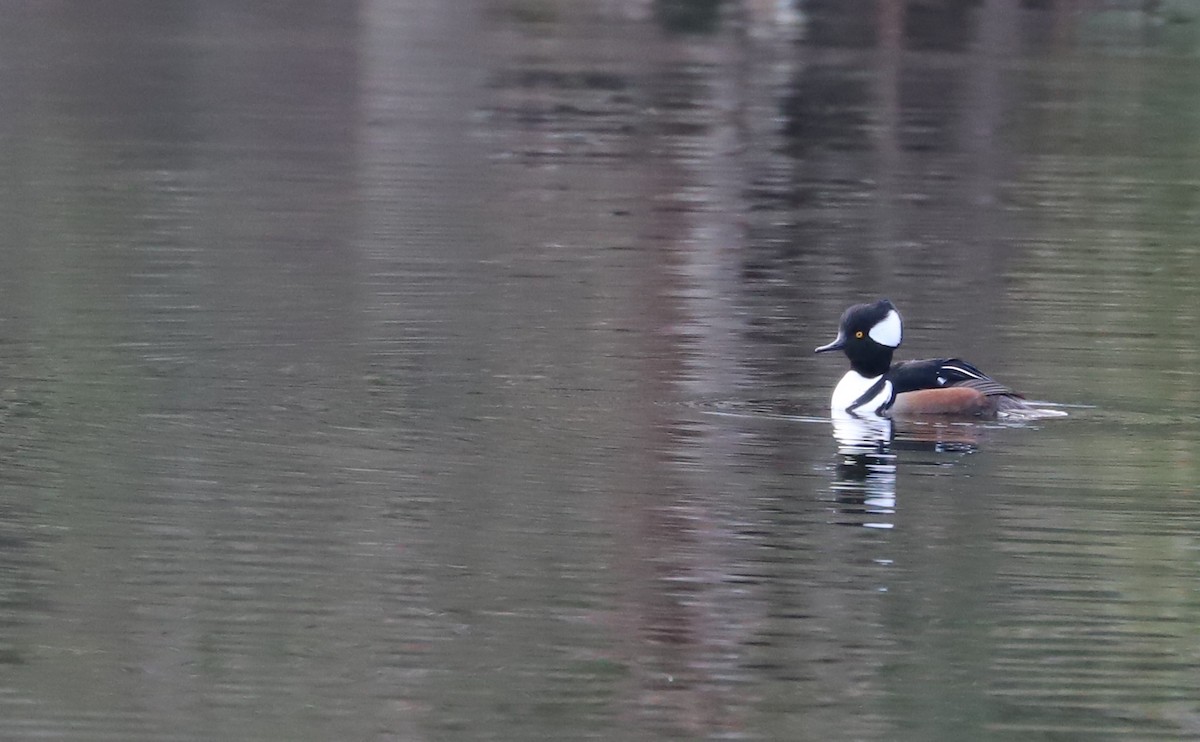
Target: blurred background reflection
{"x":412,"y":370}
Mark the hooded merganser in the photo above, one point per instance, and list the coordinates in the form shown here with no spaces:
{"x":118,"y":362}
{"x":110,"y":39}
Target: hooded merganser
{"x":870,"y":333}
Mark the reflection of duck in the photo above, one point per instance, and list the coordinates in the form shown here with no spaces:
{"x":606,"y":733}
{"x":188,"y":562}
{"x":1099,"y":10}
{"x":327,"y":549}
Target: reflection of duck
{"x":870,"y":333}
{"x":864,"y":487}
{"x":861,"y":434}
{"x":938,"y":435}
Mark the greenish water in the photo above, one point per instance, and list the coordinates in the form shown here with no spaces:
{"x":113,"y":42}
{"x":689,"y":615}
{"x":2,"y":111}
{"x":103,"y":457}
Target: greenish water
{"x":404,"y":370}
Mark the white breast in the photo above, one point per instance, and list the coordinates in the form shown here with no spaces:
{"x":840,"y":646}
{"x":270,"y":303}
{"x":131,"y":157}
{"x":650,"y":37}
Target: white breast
{"x":852,"y":386}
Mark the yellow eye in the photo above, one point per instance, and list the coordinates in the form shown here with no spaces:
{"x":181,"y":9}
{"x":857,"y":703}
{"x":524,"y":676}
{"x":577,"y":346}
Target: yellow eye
{"x":858,"y":334}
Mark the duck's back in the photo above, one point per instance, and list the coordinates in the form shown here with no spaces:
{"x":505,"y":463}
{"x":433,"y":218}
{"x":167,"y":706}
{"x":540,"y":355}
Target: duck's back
{"x":939,"y":373}
{"x":949,"y":386}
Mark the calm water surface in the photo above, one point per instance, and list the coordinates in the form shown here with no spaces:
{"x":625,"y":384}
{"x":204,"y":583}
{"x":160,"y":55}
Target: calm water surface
{"x":442,"y":371}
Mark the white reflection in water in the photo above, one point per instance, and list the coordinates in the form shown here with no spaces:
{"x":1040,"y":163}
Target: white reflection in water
{"x":865,"y":484}
{"x":869,"y":450}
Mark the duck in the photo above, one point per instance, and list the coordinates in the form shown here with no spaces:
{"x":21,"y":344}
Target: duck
{"x":869,"y":335}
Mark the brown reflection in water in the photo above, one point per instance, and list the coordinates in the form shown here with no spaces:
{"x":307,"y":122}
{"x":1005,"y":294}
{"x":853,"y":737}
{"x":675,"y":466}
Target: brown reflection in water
{"x":596,"y":136}
{"x":669,"y":198}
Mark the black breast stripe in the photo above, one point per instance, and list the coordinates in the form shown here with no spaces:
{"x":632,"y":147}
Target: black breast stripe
{"x":868,"y":395}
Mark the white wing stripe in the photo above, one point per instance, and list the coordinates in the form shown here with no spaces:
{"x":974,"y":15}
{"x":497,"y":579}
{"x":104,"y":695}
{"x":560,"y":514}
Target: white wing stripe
{"x":964,"y":372}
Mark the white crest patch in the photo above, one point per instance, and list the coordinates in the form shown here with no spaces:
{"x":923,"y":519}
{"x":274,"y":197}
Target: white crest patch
{"x":888,"y":331}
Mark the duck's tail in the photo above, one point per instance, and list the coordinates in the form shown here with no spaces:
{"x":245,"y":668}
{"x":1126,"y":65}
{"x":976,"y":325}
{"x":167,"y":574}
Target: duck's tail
{"x":1017,"y":408}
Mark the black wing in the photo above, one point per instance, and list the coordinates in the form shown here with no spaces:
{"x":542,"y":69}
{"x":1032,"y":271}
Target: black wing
{"x":937,"y":373}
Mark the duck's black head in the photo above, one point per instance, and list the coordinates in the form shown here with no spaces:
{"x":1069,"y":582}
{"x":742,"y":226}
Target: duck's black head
{"x":869,"y":334}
